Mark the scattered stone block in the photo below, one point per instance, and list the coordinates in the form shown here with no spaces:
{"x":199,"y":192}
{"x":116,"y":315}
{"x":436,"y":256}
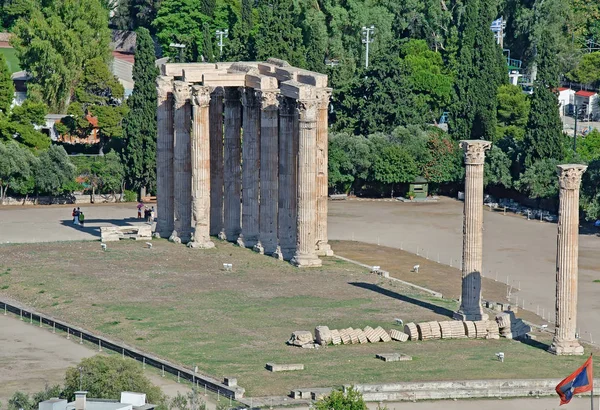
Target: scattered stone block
{"x":345,"y":336}
{"x":424,"y":331}
{"x":300,"y":337}
{"x":398,"y":335}
{"x":230,"y":381}
{"x":323,"y":335}
{"x":371,"y":335}
{"x":393,"y":357}
{"x":503,"y":320}
{"x":354,"y":336}
{"x":361,"y":336}
{"x":116,"y":233}
{"x":272,"y":367}
{"x":481,"y":329}
{"x":436,"y":332}
{"x":411,"y":330}
{"x":383,"y":335}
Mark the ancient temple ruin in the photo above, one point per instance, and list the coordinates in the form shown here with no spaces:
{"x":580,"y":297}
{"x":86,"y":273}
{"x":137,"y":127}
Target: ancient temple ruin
{"x":242,"y":155}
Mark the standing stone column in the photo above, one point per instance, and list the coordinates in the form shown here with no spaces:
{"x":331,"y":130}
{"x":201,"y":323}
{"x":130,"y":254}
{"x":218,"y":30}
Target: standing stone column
{"x":232,"y":174}
{"x":164,"y":158}
{"x":200,"y":152}
{"x":182,"y":164}
{"x":470,"y":308}
{"x":286,"y":217}
{"x":323,"y":247}
{"x":269,"y":164}
{"x":567,"y":252}
{"x":306,"y":222}
{"x":216,"y":163}
{"x":250,"y":169}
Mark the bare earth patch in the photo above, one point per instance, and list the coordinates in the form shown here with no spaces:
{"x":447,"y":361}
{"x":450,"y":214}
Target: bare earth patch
{"x":181,"y":305}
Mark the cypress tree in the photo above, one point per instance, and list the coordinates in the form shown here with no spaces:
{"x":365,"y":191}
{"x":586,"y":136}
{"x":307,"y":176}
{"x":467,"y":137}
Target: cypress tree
{"x":139,"y":126}
{"x":207,"y":45}
{"x":480,"y":70}
{"x":7,"y":88}
{"x":208,"y":7}
{"x":544,"y":127}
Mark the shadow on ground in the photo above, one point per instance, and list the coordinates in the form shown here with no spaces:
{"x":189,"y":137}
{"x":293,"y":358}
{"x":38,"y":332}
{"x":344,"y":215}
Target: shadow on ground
{"x":376,"y":288}
{"x":91,"y":225}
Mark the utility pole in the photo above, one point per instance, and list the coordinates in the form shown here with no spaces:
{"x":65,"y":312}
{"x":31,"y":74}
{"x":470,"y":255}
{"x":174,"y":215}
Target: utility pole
{"x":181,"y":47}
{"x":575,"y":130}
{"x":220,"y":35}
{"x":367,"y":39}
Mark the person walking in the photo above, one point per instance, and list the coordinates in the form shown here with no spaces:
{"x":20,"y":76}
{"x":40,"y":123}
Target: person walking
{"x":81,"y":218}
{"x":140,"y":205}
{"x":74,"y":216}
{"x":76,"y":213}
{"x":152,"y":213}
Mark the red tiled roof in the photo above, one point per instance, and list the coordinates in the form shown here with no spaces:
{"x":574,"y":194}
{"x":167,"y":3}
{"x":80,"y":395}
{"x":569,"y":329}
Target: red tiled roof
{"x":563,"y":88}
{"x":585,"y":93}
{"x":124,"y":56}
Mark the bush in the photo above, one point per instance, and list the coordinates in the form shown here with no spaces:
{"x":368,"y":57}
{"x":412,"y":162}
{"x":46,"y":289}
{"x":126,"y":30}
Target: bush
{"x":129,"y":196}
{"x":338,"y":400}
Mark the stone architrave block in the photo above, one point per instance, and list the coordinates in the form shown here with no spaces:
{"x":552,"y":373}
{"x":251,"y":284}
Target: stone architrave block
{"x":336,"y":339}
{"x":393,"y":357}
{"x":361,"y":336}
{"x":470,"y":329}
{"x":300,"y":337}
{"x":481,"y":328}
{"x":272,"y":367}
{"x":323,"y":335}
{"x":411,"y":330}
{"x":398,"y":335}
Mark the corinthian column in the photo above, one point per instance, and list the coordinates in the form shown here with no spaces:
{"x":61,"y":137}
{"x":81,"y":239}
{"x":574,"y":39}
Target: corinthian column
{"x":269,"y":164}
{"x":164,"y":158}
{"x":567,"y":252}
{"x":216,"y":163}
{"x":232,"y":178}
{"x":286,"y":217}
{"x":250,"y":169}
{"x":200,"y":151}
{"x":306,"y":223}
{"x":182,"y":164}
{"x":323,"y":247}
{"x":470,"y":308}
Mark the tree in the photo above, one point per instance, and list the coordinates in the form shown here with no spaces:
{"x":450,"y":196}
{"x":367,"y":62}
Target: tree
{"x":20,"y":125}
{"x":208,"y":52}
{"x":539,"y":180}
{"x":392,"y":163}
{"x":588,"y":147}
{"x":105,"y":377}
{"x":339,"y":400}
{"x":481,"y":70}
{"x":543,"y":138}
{"x":23,"y":401}
{"x":349,"y":161}
{"x":444,"y":162}
{"x":16,"y":173}
{"x":54,"y":172}
{"x":140,"y":124}
{"x":588,"y":70}
{"x":497,"y":168}
{"x":590,"y":191}
{"x":56,"y":42}
{"x":7,"y":88}
{"x":513,"y":112}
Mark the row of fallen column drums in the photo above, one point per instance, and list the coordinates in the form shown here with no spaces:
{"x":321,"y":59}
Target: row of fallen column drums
{"x":453,"y":329}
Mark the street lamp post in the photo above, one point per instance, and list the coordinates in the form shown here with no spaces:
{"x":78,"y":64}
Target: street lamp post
{"x":181,"y":47}
{"x":221,"y":34}
{"x":367,"y":39}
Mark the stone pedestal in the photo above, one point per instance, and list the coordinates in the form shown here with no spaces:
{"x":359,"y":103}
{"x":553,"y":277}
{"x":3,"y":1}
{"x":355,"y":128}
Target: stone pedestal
{"x":232,"y":174}
{"x":250,"y":169}
{"x":567,"y":252}
{"x":182,"y":164}
{"x":306,"y":223}
{"x":323,"y":247}
{"x":472,"y":257}
{"x":200,"y":150}
{"x":288,"y":147}
{"x":269,"y":163}
{"x":165,"y":223}
{"x":216,"y":162}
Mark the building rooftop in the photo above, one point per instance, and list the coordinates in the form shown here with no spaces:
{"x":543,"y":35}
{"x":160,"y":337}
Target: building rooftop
{"x":583,"y":93}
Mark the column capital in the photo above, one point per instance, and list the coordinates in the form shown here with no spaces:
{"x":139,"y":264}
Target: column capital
{"x":268,"y":99}
{"x":164,"y":86}
{"x":307,"y":109}
{"x":475,"y":151}
{"x":569,"y":175}
{"x":323,"y":95}
{"x":181,"y":92}
{"x":200,"y":96}
{"x":217,"y":91}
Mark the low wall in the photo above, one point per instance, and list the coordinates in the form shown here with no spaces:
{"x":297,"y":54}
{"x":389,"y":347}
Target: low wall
{"x":61,"y":200}
{"x":468,"y":389}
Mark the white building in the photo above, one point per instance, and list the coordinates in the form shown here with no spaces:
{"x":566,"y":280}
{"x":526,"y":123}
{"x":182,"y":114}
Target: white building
{"x":129,"y":401}
{"x":588,"y":102}
{"x":566,"y":100}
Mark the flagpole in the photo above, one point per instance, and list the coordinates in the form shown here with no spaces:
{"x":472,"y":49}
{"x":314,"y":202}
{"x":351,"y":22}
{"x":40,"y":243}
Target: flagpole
{"x":592,"y":393}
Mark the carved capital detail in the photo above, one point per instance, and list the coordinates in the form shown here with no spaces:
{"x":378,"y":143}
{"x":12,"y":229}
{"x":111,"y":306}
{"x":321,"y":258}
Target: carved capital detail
{"x":569,"y":175}
{"x":323,"y":95}
{"x":308,"y":109}
{"x":201,"y":96}
{"x":164,"y":86}
{"x":268,"y":99}
{"x":475,"y":151}
{"x":181,"y":92}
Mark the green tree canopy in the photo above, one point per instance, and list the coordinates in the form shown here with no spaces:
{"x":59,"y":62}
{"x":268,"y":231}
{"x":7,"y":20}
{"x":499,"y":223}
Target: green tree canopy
{"x":7,"y":88}
{"x":16,"y":169}
{"x":351,"y":399}
{"x":539,"y":180}
{"x":55,"y":42}
{"x":588,"y":70}
{"x":513,"y":112}
{"x":54,"y":172}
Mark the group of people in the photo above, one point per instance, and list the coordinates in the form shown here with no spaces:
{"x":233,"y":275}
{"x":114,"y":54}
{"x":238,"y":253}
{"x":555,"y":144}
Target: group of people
{"x":148,"y":212}
{"x":78,"y":216}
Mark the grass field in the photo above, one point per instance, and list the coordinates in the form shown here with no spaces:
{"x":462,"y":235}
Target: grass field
{"x":10,"y":55}
{"x":179,"y":304}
